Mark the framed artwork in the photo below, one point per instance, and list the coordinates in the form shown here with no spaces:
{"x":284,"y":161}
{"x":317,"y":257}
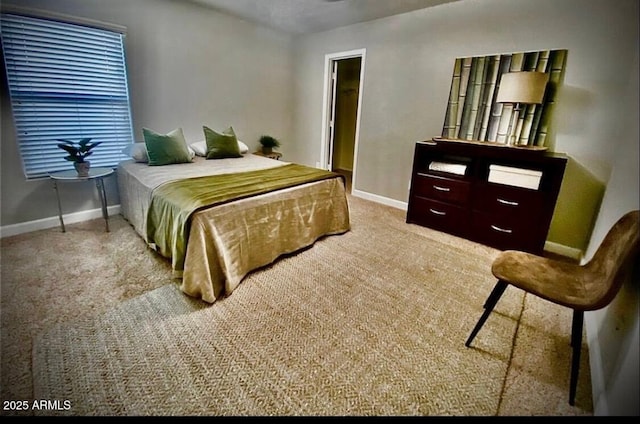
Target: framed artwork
{"x":473,"y":112}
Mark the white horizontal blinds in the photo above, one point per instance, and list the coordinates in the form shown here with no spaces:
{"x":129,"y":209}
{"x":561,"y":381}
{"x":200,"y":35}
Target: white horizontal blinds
{"x":66,"y":81}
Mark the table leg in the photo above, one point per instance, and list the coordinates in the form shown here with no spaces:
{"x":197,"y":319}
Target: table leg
{"x":103,"y":200}
{"x":55,"y":187}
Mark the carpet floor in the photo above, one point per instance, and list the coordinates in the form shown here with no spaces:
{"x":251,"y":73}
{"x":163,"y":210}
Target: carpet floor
{"x":372,"y":322}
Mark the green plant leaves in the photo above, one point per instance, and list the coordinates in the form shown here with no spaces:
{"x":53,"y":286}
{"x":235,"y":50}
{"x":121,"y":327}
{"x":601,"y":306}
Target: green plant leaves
{"x":78,"y":151}
{"x":268,"y":141}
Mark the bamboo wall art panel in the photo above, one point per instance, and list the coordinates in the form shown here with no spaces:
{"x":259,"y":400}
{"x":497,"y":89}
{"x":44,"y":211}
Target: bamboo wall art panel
{"x":472,"y":111}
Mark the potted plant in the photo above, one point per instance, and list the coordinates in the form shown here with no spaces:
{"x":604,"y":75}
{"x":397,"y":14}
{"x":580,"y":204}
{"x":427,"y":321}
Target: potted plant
{"x":78,"y":152}
{"x":268,"y":143}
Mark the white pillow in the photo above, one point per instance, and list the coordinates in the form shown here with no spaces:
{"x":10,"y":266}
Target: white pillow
{"x":138,"y":151}
{"x":243,"y":147}
{"x":200,"y":148}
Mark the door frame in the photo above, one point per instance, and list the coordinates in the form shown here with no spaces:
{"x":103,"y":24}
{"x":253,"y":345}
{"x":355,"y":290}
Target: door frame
{"x":328,"y":102}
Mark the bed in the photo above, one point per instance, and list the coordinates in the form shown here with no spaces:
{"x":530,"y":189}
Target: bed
{"x":234,"y":221}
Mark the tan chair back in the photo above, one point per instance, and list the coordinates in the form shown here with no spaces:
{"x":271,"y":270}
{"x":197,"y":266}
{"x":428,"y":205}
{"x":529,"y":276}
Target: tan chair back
{"x":615,"y":255}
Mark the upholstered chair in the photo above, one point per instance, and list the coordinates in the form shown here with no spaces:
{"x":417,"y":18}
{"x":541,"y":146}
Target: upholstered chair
{"x":582,"y":288}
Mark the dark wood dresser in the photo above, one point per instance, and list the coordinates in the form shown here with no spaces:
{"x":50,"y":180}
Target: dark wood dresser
{"x":500,"y":196}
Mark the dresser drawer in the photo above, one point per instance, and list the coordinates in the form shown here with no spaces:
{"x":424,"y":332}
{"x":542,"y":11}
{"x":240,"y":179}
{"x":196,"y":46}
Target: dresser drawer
{"x":451,"y":192}
{"x":438,"y":215}
{"x":506,"y":232}
{"x":441,"y":188}
{"x":508,"y":202}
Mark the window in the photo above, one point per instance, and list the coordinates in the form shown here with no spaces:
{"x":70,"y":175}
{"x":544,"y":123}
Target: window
{"x":66,"y":81}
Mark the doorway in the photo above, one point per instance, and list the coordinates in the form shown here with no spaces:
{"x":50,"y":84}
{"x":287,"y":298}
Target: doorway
{"x":341,"y":117}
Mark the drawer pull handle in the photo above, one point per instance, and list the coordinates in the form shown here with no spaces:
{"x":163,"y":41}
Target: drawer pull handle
{"x":441,"y":188}
{"x":502,"y":230}
{"x":437,"y":212}
{"x":507,"y":202}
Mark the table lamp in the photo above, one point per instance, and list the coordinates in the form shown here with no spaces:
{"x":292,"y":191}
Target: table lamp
{"x":521,"y":88}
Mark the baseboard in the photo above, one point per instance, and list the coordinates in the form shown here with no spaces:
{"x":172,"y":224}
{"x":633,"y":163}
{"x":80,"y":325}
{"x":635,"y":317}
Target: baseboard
{"x":592,"y":324}
{"x":562,"y":250}
{"x":54,"y":221}
{"x":380,"y":199}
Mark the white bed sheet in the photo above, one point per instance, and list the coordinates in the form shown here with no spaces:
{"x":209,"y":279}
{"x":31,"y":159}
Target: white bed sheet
{"x":136,"y":180}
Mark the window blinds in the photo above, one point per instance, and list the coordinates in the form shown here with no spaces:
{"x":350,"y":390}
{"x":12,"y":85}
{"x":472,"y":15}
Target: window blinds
{"x":66,"y":81}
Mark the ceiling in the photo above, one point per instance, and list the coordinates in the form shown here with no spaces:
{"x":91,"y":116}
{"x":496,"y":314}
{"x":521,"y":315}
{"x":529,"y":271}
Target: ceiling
{"x":308,"y":16}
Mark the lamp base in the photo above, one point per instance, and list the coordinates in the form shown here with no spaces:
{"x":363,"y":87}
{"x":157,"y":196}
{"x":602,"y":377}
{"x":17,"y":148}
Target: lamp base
{"x":513,"y":131}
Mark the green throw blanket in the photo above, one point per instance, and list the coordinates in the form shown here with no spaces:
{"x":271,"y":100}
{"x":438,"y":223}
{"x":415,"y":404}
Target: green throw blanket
{"x":173,"y":203}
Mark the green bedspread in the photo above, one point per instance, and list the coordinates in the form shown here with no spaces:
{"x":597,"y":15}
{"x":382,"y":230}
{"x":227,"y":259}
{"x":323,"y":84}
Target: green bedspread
{"x":173,"y":203}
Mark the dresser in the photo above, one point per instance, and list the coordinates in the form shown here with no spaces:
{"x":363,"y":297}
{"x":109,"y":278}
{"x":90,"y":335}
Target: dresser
{"x":496,"y":195}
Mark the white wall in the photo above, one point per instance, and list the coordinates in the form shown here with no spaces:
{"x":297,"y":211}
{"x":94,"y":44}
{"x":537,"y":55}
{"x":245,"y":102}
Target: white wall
{"x":613,"y":333}
{"x":188,"y":66}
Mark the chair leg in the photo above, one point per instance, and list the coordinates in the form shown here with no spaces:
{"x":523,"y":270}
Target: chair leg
{"x":494,"y":296}
{"x":576,"y":344}
{"x":490,"y":303}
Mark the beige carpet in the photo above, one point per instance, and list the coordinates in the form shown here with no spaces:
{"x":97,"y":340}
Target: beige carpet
{"x":372,"y":322}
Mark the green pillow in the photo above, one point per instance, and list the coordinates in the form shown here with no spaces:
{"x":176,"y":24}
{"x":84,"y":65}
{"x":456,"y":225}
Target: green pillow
{"x":221,"y":146}
{"x":165,"y":149}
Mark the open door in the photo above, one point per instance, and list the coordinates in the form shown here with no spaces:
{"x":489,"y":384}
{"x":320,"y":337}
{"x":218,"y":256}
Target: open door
{"x":341,"y":114}
{"x":331,"y":125}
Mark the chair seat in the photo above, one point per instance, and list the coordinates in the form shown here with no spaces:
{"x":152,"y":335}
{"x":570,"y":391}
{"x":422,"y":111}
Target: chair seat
{"x":559,"y":282}
{"x":582,"y":288}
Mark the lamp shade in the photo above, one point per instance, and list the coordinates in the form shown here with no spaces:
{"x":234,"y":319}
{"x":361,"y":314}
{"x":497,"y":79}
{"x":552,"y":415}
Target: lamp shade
{"x":522,"y":87}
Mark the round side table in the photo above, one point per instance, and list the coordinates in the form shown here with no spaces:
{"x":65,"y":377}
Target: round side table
{"x":96,"y":174}
{"x":273,"y":155}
